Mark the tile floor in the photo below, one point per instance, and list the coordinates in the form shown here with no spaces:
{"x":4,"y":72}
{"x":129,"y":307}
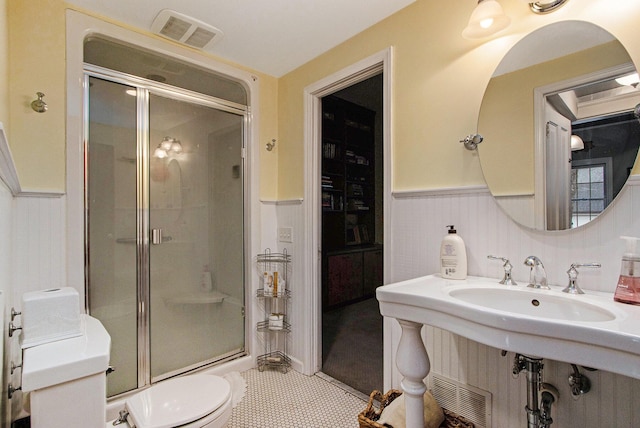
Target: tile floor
{"x":293,"y":400}
{"x":290,"y":400}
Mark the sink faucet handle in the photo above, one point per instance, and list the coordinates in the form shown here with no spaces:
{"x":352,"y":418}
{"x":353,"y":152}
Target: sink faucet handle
{"x":592,"y":265}
{"x":507,"y":280}
{"x":573,"y":288}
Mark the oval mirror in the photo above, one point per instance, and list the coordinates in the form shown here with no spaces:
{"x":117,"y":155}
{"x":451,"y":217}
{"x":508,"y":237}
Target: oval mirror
{"x":560,"y":133}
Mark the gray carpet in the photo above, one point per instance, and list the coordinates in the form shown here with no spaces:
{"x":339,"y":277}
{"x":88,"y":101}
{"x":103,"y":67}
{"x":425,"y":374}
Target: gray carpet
{"x":352,"y":345}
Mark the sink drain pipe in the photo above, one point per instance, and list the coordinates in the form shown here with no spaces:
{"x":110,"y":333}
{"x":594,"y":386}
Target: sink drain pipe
{"x":540,"y":395}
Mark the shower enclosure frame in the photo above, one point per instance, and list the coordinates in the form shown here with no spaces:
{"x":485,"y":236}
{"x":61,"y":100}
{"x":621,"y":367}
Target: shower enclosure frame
{"x":144,"y":88}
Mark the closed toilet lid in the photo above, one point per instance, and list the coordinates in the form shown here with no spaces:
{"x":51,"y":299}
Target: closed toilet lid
{"x":178,"y":401}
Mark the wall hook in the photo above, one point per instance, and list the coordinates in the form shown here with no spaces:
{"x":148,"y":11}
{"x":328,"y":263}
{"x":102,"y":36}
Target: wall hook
{"x":11,"y":389}
{"x":471,"y":141}
{"x":39,"y":105}
{"x":13,"y":328}
{"x":271,"y":144}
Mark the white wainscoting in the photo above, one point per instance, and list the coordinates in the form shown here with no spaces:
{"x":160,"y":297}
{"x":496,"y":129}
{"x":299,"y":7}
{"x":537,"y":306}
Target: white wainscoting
{"x":418,"y":225}
{"x":38,"y":258}
{"x":6,"y":216}
{"x":419,"y":222}
{"x":289,"y":214}
{"x":39,"y":245}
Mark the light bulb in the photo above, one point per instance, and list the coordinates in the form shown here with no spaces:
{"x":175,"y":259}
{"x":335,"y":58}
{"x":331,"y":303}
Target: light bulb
{"x":629,"y":80}
{"x":166,"y":143}
{"x":176,"y":147}
{"x":486,"y":23}
{"x":487,"y":19}
{"x":160,"y":153}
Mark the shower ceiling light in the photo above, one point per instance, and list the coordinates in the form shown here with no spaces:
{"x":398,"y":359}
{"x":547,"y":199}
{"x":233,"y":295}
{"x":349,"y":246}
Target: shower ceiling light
{"x":176,"y":147}
{"x":629,"y":80}
{"x":160,"y":153}
{"x":166,"y":143}
{"x":167,"y":146}
{"x":486,"y":19}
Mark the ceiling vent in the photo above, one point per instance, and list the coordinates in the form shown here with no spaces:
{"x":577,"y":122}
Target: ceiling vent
{"x":185,"y":30}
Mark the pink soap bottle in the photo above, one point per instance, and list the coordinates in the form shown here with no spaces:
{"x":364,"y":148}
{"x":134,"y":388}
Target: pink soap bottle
{"x":628,"y":289}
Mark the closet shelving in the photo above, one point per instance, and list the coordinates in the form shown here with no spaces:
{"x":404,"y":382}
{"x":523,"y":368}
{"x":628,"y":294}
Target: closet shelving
{"x":351,"y":219}
{"x":274,"y":294}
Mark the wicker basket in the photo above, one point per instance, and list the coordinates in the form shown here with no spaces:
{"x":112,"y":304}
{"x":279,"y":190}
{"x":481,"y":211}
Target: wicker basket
{"x":368,"y":417}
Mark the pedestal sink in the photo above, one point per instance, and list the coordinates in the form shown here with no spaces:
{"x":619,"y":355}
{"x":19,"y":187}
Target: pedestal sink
{"x":589,"y":330}
{"x":533,"y":303}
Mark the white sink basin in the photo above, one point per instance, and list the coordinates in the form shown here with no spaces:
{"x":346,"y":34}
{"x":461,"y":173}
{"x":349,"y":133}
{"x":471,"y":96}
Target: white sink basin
{"x":589,"y":329}
{"x":530,"y":302}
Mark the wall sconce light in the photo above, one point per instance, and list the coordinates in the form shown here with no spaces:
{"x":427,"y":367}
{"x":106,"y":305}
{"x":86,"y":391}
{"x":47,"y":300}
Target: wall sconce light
{"x":486,"y":19}
{"x":271,"y":144}
{"x":471,"y":141}
{"x":545,"y":6}
{"x":39,"y":105}
{"x":576,"y":143}
{"x":167,"y":146}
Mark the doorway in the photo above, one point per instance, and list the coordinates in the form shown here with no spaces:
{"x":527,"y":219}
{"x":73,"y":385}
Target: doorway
{"x":352,"y":234}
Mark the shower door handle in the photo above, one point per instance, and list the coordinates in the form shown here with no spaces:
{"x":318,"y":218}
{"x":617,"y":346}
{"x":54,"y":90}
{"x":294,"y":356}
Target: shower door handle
{"x":156,"y":236}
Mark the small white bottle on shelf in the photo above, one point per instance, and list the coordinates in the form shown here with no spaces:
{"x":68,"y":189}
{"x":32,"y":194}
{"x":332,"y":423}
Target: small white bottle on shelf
{"x":453,"y":256}
{"x":206,"y":284}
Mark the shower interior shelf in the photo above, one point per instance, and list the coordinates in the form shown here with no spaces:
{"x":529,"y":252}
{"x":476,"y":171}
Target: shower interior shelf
{"x":274,"y":292}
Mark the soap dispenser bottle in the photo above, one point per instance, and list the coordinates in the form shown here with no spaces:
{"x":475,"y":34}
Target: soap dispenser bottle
{"x":453,"y":256}
{"x":628,"y":289}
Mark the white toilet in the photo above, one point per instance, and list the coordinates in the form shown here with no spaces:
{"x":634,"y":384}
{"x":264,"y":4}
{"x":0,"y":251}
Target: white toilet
{"x":194,"y":401}
{"x":62,"y":373}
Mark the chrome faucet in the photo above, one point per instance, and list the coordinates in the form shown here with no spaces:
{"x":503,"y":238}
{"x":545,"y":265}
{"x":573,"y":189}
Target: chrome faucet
{"x":538,"y":276}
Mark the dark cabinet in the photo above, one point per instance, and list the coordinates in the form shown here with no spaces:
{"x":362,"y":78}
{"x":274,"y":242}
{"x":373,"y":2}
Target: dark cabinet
{"x":351,"y":275}
{"x":344,"y":278}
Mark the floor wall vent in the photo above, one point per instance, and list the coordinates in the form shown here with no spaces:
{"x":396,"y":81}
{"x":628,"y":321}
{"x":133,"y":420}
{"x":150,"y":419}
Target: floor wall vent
{"x":186,"y":30}
{"x":466,"y":400}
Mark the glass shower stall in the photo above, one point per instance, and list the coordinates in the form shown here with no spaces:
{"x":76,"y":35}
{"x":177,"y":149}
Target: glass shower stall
{"x":165,"y":247}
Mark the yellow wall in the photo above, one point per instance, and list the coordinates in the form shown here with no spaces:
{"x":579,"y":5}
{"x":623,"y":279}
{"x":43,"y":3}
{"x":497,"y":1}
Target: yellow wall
{"x":438,"y":85}
{"x":4,"y":66}
{"x":268,"y":131}
{"x":506,"y":115}
{"x":37,"y":63}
